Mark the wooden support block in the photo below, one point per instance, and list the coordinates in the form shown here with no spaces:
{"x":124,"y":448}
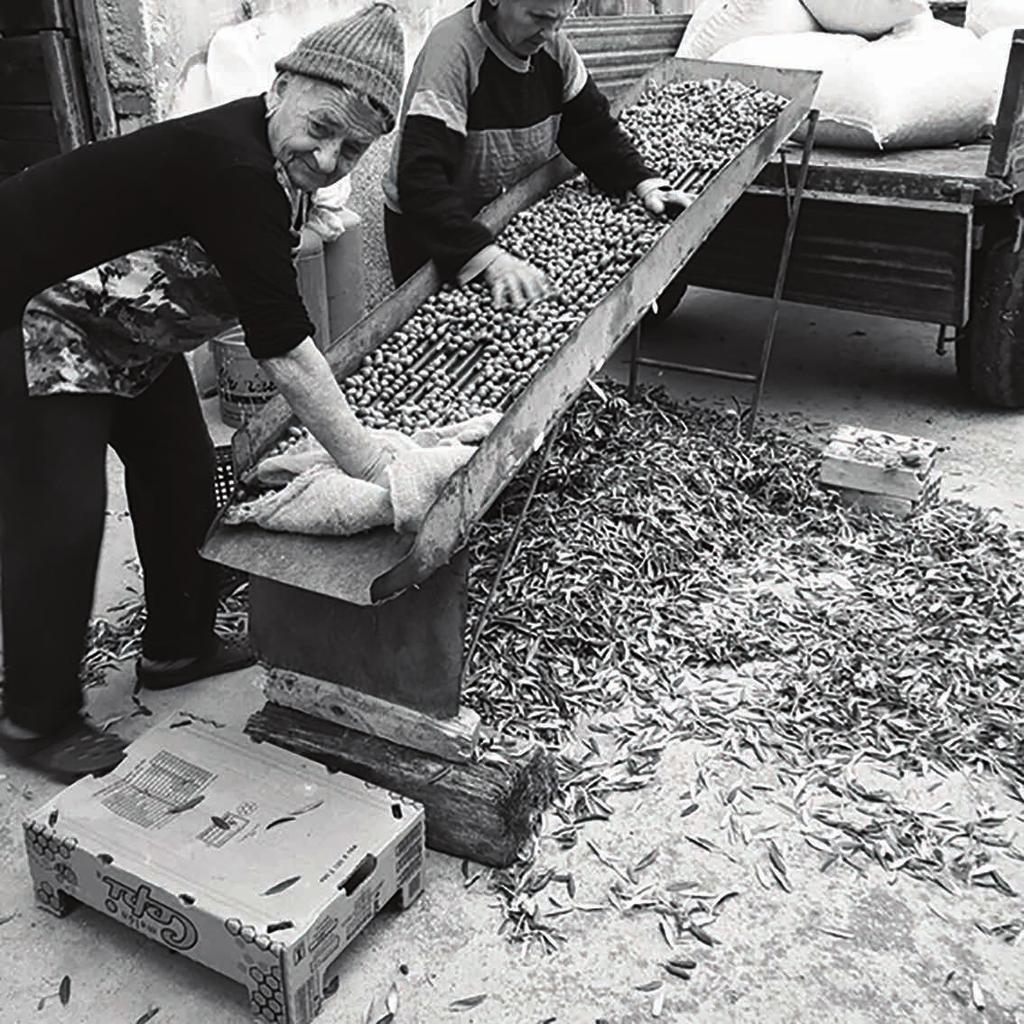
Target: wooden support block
{"x":887,"y":472}
{"x":408,"y":650}
{"x":485,"y":811}
{"x":453,"y":739}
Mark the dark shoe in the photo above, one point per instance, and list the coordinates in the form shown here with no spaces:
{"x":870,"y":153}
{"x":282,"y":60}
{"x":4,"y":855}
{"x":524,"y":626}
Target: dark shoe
{"x":77,"y":750}
{"x":227,"y":656}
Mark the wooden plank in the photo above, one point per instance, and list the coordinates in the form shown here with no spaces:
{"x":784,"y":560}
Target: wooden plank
{"x":16,"y":156}
{"x":18,"y":17}
{"x":931,"y":175}
{"x":94,"y":69}
{"x":28,"y":123}
{"x":452,"y":739}
{"x":67,"y":90}
{"x":1006,"y":159}
{"x":22,"y":71}
{"x":484,"y":811}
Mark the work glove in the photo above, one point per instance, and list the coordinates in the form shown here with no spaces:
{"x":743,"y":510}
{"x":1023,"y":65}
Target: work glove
{"x":658,"y":196}
{"x":514,"y":283}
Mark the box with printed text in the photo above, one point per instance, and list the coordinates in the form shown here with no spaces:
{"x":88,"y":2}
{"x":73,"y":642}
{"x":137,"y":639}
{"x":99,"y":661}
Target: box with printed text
{"x":244,"y":857}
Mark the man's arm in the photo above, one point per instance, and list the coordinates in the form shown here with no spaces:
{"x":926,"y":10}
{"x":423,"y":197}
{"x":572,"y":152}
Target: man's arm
{"x":303,"y":376}
{"x":245,"y":233}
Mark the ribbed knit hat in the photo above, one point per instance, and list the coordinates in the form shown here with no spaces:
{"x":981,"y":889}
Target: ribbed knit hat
{"x":364,"y":52}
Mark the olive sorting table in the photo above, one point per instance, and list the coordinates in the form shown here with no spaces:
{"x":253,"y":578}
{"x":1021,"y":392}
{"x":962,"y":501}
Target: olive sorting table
{"x":362,"y":639}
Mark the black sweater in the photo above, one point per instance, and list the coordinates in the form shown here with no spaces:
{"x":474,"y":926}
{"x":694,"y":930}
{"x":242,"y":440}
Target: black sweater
{"x":210,"y":176}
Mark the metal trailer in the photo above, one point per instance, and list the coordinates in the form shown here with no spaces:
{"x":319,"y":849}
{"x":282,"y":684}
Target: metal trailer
{"x":932,"y":235}
{"x":383,"y":615}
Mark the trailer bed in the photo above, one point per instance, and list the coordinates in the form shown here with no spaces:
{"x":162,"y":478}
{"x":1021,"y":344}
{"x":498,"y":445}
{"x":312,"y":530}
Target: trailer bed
{"x":930,"y":175}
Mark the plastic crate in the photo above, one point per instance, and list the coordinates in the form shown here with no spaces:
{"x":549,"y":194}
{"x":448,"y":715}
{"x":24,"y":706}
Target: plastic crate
{"x":224,"y":486}
{"x":224,"y":475}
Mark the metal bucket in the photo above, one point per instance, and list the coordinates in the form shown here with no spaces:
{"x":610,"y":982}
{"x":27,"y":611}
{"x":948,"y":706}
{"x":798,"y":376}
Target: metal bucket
{"x":241,"y":386}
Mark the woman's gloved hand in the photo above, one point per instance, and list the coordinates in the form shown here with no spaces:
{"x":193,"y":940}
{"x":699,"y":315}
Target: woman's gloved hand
{"x":658,"y":197}
{"x":514,"y":283}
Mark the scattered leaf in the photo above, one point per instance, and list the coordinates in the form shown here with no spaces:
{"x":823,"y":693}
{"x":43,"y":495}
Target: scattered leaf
{"x":659,"y":1003}
{"x":977,"y":995}
{"x":281,"y":886}
{"x":467,"y":1003}
{"x":64,"y":992}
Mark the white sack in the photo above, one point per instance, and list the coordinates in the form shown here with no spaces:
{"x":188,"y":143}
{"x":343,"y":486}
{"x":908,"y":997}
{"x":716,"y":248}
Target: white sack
{"x":909,"y":90}
{"x":716,"y":23}
{"x":869,"y":18}
{"x":806,"y":51}
{"x":984,"y":16}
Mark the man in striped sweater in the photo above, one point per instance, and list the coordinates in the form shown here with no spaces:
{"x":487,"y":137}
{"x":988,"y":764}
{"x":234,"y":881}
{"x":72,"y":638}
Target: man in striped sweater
{"x":497,"y":91}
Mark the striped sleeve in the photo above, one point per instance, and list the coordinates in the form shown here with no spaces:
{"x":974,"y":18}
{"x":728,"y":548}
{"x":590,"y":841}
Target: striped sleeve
{"x":574,"y":71}
{"x":443,"y":79}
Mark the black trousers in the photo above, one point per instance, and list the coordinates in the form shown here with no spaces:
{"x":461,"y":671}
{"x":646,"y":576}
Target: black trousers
{"x":406,"y":253}
{"x":52,"y":507}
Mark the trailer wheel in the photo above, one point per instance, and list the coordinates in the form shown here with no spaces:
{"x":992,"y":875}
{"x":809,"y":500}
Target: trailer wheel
{"x":669,"y":300}
{"x":990,"y":351}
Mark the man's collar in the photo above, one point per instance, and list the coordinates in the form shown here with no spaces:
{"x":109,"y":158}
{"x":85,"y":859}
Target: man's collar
{"x":494,"y":44}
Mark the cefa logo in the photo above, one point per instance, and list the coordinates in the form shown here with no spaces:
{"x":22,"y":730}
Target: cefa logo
{"x":176,"y":930}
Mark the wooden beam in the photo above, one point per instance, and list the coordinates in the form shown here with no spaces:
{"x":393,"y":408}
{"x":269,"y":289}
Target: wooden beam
{"x":484,"y":811}
{"x":1005,"y":155}
{"x":453,"y":739}
{"x":67,"y":91}
{"x":94,"y":69}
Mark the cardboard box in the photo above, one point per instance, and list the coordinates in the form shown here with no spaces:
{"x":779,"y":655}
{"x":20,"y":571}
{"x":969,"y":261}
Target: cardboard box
{"x":244,"y":857}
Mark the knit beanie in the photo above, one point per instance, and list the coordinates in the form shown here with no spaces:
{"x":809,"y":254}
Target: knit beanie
{"x":364,"y":52}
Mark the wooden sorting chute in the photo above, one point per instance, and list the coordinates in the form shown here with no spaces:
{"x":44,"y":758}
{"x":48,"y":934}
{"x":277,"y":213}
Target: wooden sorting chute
{"x":378,"y":565}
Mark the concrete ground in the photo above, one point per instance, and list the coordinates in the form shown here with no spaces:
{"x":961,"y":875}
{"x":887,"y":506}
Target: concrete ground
{"x":839,"y":947}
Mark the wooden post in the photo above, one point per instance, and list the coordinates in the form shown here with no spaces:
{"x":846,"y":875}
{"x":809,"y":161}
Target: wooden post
{"x":485,"y":811}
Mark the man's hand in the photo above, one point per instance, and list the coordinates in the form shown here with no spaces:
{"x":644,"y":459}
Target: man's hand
{"x":514,"y":283}
{"x":658,"y":200}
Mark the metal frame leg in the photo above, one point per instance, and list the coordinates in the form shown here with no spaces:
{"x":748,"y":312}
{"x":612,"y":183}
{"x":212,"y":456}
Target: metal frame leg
{"x":780,"y":277}
{"x":634,"y":362}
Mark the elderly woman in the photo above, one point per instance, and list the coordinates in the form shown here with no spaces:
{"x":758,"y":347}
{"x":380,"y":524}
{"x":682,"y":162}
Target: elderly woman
{"x":103,"y":285}
{"x":497,"y":91}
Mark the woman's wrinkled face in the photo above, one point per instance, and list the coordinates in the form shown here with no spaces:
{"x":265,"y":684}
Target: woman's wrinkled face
{"x":524,"y":26}
{"x":318,"y":131}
